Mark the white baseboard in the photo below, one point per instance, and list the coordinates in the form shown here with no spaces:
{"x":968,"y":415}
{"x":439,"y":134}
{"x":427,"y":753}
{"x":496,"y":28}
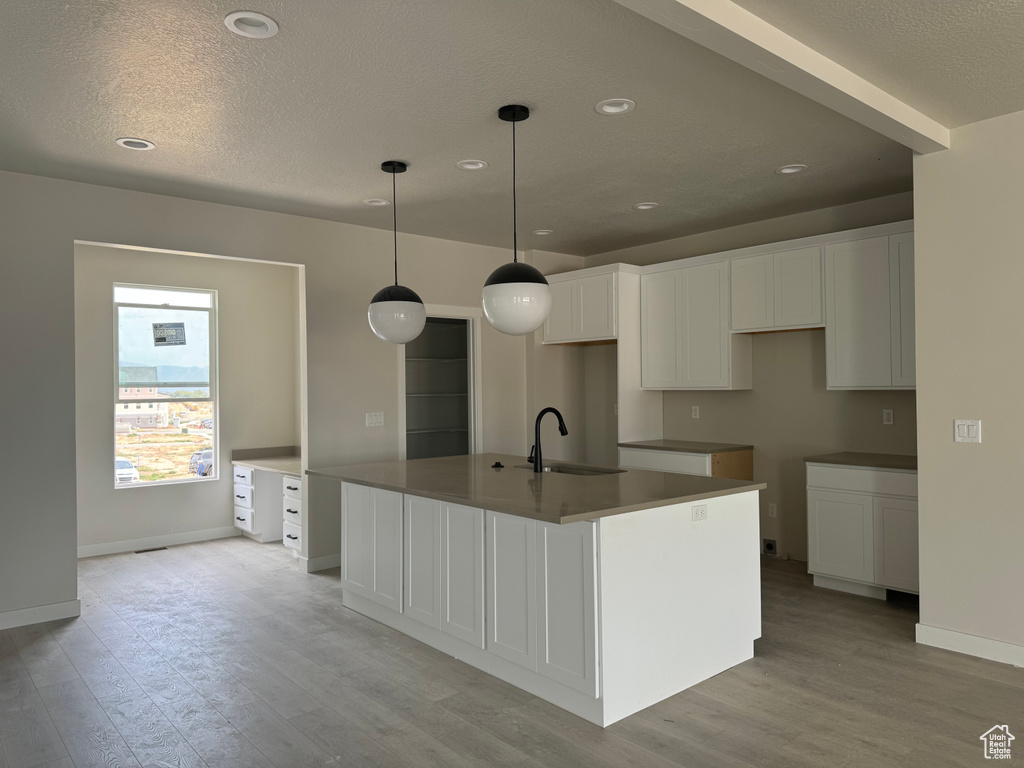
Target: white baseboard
{"x":40,"y":613}
{"x":972,"y":645}
{"x":852,"y":587}
{"x":314,"y":564}
{"x":151,"y":542}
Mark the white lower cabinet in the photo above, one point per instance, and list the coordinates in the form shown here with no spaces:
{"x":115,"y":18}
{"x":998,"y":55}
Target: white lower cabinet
{"x":861,"y":536}
{"x":371,"y":541}
{"x":511,"y":560}
{"x":423,"y":560}
{"x":462,"y":573}
{"x":566,"y":605}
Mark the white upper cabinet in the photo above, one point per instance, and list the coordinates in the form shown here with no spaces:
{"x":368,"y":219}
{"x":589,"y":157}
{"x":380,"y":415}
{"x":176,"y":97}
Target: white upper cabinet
{"x":685,"y":341}
{"x":869,"y":307}
{"x":777,"y":290}
{"x":582,"y":309}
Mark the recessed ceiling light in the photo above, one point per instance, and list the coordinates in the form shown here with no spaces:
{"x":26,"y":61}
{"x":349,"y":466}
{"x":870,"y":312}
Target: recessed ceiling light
{"x":251,"y":24}
{"x":793,"y":168}
{"x":615,"y":106}
{"x":543,"y":231}
{"x":645,"y":206}
{"x":139,"y":144}
{"x":378,"y":201}
{"x":472,"y":165}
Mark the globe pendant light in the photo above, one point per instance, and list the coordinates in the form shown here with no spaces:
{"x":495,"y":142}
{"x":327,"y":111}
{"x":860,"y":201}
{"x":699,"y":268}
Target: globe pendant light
{"x":516,"y":297}
{"x":396,"y":313}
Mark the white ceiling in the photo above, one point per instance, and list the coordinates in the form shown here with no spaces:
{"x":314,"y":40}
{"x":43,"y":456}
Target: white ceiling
{"x":958,"y":61}
{"x":301,"y":122}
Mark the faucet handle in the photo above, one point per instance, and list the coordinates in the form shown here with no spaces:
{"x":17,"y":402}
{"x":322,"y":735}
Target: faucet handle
{"x":533,"y":450}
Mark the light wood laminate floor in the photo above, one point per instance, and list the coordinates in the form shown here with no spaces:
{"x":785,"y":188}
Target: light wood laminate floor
{"x":224,"y":654}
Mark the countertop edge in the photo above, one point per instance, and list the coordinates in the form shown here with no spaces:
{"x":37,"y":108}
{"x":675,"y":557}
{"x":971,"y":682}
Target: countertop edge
{"x":581,"y":517}
{"x":725,"y":448}
{"x":261,"y":464}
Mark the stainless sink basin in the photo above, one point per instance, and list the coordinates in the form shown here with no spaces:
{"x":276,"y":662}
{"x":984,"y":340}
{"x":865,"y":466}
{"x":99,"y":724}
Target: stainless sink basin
{"x":568,"y":469}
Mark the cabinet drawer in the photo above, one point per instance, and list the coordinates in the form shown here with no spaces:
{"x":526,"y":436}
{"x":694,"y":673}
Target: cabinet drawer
{"x":292,"y":487}
{"x":292,"y":510}
{"x":243,"y":495}
{"x":292,"y":536}
{"x":244,"y":519}
{"x":877,"y":481}
{"x":242,"y":475}
{"x":666,"y":461}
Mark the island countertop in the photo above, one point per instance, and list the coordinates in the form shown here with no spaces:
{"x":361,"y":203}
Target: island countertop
{"x":549,"y":497}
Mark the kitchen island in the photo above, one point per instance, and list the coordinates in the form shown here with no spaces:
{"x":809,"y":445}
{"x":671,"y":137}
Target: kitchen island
{"x":601,"y":591}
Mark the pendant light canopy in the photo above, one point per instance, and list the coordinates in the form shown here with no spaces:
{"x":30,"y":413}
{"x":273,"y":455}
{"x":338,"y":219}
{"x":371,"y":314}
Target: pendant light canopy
{"x":396,"y":313}
{"x":516,"y":297}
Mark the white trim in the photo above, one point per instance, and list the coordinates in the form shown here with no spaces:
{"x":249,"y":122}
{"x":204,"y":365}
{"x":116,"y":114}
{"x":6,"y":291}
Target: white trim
{"x":173,"y":252}
{"x":152,"y":542}
{"x":40,"y":613}
{"x":847,"y":235}
{"x":474,"y":316}
{"x":972,"y":645}
{"x":314,"y":564}
{"x":604,"y":269}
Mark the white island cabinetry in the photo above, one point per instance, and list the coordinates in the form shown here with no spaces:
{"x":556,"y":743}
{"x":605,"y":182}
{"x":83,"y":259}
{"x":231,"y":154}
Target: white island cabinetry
{"x":555,"y":608}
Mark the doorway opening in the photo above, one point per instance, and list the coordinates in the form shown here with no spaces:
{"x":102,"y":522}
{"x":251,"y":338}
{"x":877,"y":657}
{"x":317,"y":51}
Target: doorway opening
{"x":439,"y":392}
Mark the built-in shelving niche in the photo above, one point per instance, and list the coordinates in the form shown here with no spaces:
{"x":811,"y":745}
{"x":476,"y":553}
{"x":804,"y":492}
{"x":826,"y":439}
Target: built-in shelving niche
{"x":437,"y":403}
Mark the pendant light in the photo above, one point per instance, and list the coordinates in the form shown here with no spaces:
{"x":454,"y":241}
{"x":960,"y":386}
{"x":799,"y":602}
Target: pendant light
{"x":516,"y":297}
{"x":396,"y":313}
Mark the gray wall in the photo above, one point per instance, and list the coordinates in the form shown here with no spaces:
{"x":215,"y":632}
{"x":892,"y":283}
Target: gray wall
{"x":969,"y":225}
{"x":258,"y":364}
{"x":350,"y":371}
{"x":789,"y":415}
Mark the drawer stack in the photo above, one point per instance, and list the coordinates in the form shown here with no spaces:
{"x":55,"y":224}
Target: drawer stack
{"x":245,"y":514}
{"x":292,"y":512}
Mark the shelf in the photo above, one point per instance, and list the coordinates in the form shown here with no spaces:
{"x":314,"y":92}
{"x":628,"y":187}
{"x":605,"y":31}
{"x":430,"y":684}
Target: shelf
{"x":427,"y":431}
{"x":435,"y":359}
{"x":437,"y":394}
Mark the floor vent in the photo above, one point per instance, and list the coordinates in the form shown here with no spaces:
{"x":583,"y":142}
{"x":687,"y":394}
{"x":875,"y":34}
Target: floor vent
{"x":144,"y":551}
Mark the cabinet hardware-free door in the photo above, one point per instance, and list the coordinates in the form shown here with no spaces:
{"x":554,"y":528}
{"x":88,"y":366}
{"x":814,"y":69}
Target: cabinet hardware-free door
{"x":896,"y":552}
{"x":462,"y":573}
{"x":840,"y":534}
{"x":511,"y":560}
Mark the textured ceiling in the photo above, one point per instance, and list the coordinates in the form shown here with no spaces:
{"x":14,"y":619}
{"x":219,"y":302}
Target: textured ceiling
{"x":301,"y":122}
{"x":958,"y":61}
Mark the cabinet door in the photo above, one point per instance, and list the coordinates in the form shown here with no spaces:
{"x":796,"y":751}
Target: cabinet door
{"x":559,"y":325}
{"x":705,"y":324}
{"x":901,"y":300}
{"x":462,"y":573}
{"x":753,"y":293}
{"x":857,"y":306}
{"x":797,"y":287}
{"x":356,"y":539}
{"x":896,"y":553}
{"x":511,"y":560}
{"x":387,"y":549}
{"x":422,"y":597}
{"x":661,"y":330}
{"x":566,"y":603}
{"x":840,"y":537}
{"x":595,"y":303}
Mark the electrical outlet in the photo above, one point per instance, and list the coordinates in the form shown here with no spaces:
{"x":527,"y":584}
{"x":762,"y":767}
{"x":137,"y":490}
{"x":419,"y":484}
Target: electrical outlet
{"x":887,"y":415}
{"x":695,"y":412}
{"x":700,"y":512}
{"x":769,"y":547}
{"x":773,"y":511}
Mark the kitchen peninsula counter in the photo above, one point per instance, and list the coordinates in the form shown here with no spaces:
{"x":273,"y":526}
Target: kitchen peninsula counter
{"x":548,"y":496}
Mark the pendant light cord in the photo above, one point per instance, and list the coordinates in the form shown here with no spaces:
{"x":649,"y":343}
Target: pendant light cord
{"x":394,"y":211}
{"x":515,"y":218}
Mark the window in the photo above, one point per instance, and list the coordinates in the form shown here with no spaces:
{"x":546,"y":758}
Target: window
{"x":166,"y":352}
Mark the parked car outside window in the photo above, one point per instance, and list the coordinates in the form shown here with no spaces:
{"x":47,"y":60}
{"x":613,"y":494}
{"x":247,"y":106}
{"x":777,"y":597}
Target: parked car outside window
{"x":204,"y":466}
{"x":125,"y":471}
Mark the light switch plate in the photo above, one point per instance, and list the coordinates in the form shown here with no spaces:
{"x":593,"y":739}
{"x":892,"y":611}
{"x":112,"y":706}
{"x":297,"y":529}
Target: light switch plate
{"x":375,"y":419}
{"x":967,"y":430}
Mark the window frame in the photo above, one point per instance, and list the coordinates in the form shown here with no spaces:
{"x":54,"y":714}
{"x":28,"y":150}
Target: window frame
{"x":212,"y":315}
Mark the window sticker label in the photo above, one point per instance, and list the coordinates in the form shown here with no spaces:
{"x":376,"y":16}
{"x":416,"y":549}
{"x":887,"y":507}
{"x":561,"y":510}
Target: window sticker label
{"x":168,"y":334}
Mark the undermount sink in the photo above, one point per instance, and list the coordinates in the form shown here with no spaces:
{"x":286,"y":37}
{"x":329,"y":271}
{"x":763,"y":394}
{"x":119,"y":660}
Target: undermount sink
{"x":564,"y":469}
